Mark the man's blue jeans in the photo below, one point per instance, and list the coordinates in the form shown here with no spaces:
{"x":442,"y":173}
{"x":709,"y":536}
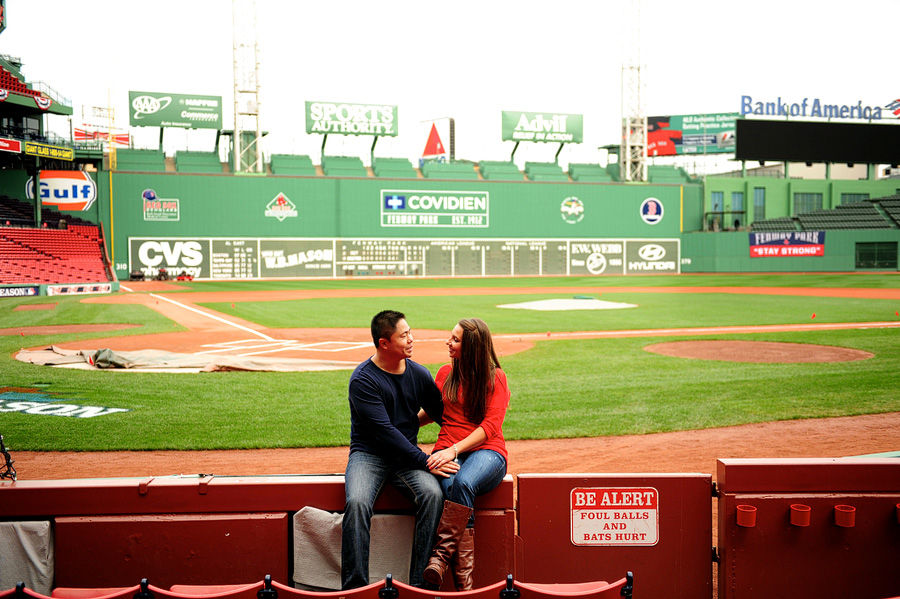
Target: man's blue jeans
{"x":364,"y":478}
{"x":479,"y":472}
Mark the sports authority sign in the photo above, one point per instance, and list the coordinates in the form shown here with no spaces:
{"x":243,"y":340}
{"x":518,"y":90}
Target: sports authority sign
{"x":624,"y":516}
{"x":788,"y":244}
{"x":351,"y":119}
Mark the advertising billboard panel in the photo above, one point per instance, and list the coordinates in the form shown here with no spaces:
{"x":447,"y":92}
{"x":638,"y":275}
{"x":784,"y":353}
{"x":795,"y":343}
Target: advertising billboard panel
{"x":691,"y":134}
{"x":154,"y":109}
{"x":543,"y":127}
{"x":351,"y":119}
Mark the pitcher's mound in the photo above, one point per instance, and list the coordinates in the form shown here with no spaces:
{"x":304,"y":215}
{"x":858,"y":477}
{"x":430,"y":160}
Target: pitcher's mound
{"x":763,"y":352}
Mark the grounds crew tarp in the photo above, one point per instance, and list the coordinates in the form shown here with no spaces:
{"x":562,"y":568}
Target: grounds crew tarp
{"x":154,"y":360}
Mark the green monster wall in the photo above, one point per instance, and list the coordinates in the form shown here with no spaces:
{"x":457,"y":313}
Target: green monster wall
{"x":269,"y":226}
{"x":400,"y":225}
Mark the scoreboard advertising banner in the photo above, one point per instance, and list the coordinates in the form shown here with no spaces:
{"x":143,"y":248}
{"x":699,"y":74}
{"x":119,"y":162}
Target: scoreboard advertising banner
{"x":249,"y":258}
{"x":792,"y":244}
{"x":691,"y":134}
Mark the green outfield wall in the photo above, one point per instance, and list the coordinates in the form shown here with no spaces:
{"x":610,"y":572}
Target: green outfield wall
{"x":245,"y":226}
{"x":230,"y":226}
{"x":843,"y":251}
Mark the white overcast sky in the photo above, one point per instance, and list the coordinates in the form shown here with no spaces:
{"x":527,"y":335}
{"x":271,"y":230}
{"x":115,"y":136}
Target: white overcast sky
{"x":465,"y":59}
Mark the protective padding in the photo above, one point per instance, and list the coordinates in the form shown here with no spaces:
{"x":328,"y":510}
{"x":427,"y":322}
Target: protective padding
{"x":26,"y":555}
{"x":317,"y":548}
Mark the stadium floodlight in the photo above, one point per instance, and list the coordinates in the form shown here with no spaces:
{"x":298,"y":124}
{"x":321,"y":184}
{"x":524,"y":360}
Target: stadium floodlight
{"x":247,"y":155}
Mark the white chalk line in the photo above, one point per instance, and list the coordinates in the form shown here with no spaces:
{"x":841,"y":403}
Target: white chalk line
{"x":214,"y":317}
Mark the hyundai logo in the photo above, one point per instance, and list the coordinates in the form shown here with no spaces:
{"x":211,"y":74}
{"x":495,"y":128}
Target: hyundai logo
{"x":652,"y":252}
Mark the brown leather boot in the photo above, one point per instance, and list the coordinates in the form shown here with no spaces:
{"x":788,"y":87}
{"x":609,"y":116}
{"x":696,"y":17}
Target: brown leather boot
{"x":463,"y":563}
{"x":450,"y":529}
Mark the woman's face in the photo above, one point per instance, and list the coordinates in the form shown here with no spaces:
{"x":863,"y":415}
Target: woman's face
{"x":454,"y":343}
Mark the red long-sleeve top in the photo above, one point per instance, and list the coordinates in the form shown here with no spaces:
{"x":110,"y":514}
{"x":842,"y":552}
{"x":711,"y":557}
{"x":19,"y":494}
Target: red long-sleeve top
{"x":457,"y":427}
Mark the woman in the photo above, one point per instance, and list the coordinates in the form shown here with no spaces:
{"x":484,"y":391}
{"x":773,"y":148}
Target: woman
{"x":475,"y":396}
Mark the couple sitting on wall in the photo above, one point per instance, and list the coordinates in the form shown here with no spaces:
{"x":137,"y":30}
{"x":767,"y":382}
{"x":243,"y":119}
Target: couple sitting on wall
{"x":390,"y":398}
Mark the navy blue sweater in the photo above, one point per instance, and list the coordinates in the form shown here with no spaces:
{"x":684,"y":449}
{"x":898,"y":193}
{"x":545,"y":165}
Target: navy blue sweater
{"x":384,"y":411}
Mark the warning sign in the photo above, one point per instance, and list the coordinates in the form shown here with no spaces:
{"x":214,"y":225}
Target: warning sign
{"x":615,"y":516}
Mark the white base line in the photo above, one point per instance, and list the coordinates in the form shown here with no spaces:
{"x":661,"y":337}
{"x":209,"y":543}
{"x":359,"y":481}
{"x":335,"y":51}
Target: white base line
{"x":222,"y":320}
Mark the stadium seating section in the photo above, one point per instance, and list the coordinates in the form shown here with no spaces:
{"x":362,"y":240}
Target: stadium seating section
{"x":291,"y":164}
{"x":344,"y":166}
{"x":37,"y":256}
{"x":784,"y":223}
{"x":877,"y":213}
{"x":500,"y":171}
{"x":891,"y":207}
{"x":449,"y":170}
{"x":11,"y":82}
{"x":198,"y":162}
{"x":64,"y":249}
{"x":141,"y":160}
{"x":589,"y":173}
{"x":545,"y":171}
{"x":857,"y":215}
{"x":394,"y":168}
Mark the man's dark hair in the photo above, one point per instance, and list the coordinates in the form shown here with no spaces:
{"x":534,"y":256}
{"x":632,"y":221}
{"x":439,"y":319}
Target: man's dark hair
{"x":384,"y":324}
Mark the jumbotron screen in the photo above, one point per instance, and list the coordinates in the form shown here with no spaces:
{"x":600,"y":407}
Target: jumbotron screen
{"x":804,"y":141}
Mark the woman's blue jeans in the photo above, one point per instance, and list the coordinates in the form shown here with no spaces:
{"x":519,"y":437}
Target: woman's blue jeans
{"x":479,"y":472}
{"x":364,"y":478}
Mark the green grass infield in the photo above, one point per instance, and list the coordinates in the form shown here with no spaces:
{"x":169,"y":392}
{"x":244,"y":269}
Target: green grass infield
{"x":560,"y":389}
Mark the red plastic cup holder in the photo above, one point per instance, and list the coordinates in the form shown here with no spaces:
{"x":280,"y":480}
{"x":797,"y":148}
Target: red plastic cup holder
{"x":746,"y":516}
{"x":800,"y":514}
{"x":845,"y":516}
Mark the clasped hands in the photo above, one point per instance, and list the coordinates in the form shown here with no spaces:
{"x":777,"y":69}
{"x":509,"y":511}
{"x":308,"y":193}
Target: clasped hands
{"x":442,"y":463}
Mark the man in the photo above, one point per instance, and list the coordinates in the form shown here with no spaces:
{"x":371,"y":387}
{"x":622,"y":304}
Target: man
{"x":386,"y":392}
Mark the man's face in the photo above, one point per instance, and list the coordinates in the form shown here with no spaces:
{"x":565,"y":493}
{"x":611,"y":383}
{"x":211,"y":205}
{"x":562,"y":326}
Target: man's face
{"x":400,"y":345}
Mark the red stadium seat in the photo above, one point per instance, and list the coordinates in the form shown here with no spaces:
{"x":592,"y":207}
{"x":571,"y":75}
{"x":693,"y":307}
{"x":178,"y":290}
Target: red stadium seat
{"x":492,"y":591}
{"x":588,"y":590}
{"x":79,"y":593}
{"x":216,"y":591}
{"x":371,"y":591}
{"x":20,"y":592}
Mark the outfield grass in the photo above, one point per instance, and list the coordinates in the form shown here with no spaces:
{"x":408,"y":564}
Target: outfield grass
{"x":655,"y":310}
{"x":561,"y":388}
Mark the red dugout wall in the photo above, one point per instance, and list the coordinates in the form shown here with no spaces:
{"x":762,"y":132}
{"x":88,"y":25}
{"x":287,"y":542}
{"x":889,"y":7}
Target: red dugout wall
{"x":581,"y":527}
{"x":799,"y":528}
{"x":809,"y":528}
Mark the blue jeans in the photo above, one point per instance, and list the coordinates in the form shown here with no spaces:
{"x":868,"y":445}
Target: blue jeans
{"x":480,"y":471}
{"x":364,"y":478}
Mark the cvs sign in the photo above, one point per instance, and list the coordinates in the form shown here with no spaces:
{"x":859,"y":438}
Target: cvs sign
{"x":175,"y":255}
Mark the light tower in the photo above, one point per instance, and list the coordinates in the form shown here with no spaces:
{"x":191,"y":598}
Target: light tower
{"x":633,"y":151}
{"x":247,"y":156}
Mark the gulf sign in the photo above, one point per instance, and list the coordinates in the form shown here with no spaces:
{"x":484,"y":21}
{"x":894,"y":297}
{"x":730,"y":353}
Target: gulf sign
{"x":624,"y":516}
{"x":787,"y":244}
{"x":70,"y":191}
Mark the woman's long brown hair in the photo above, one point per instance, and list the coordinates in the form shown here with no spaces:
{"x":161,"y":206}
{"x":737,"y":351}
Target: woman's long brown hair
{"x":473,"y":371}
